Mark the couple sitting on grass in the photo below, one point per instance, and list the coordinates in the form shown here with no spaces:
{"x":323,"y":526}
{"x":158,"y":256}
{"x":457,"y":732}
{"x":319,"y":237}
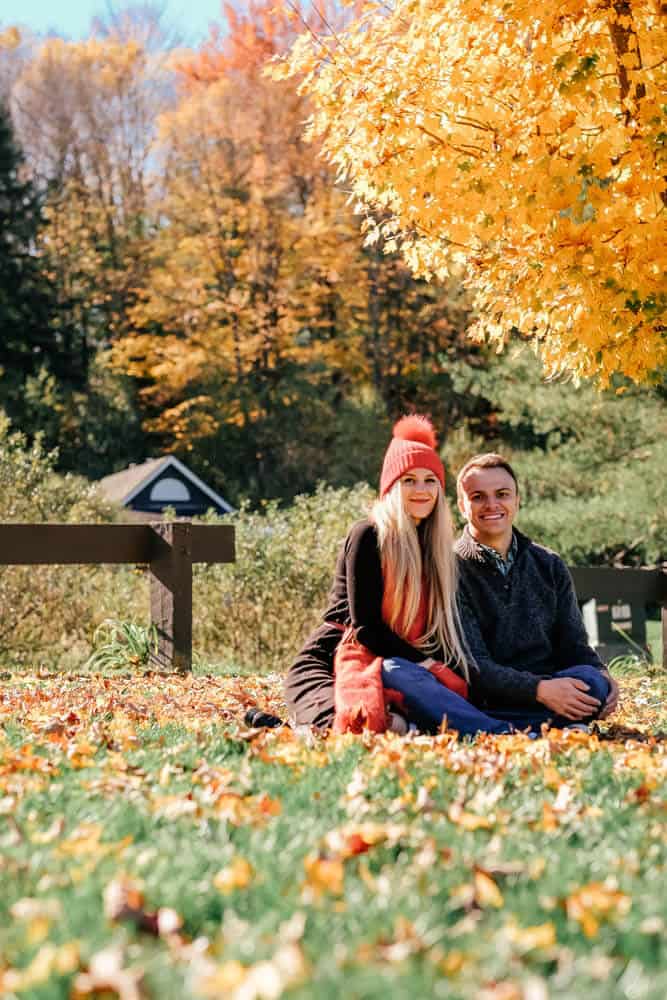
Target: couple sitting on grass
{"x":483,"y":636}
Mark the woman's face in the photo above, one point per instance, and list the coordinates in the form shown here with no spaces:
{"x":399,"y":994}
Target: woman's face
{"x":419,"y":492}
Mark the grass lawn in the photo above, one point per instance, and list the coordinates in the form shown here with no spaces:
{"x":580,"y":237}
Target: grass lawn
{"x":153,"y":846}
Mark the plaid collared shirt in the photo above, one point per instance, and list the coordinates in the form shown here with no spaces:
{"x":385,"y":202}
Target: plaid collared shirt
{"x":502,"y":565}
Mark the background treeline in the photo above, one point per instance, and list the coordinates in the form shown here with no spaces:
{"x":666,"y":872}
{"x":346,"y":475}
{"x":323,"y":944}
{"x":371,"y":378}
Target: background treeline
{"x":180,"y":272}
{"x":253,"y":614}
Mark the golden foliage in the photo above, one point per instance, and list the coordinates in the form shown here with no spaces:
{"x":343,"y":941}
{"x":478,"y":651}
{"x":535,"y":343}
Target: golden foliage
{"x":10,"y":38}
{"x":251,"y":248}
{"x":526,"y":146}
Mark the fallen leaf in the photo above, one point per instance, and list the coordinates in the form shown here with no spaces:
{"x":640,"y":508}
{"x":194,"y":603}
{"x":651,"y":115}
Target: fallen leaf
{"x":593,"y":903}
{"x":323,"y":875}
{"x":487,"y":892}
{"x":237,"y":875}
{"x":107,"y":974}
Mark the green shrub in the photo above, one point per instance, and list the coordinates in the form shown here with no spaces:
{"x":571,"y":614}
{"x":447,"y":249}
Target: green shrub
{"x":256,"y":612}
{"x":122,"y":645}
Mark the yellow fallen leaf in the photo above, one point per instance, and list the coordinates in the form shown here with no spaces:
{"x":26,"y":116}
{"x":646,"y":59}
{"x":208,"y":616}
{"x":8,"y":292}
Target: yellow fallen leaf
{"x":487,"y":892}
{"x":453,"y":962}
{"x":468,"y":820}
{"x":595,"y":902}
{"x":223,"y":980}
{"x":47,"y":961}
{"x":529,"y":938}
{"x":85,"y":839}
{"x":237,"y":875}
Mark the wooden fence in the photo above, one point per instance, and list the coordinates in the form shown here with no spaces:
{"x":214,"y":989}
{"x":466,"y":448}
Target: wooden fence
{"x":637,"y":587}
{"x":170,"y":549}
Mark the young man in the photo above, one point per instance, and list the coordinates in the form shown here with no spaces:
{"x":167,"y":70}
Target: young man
{"x":520,"y":614}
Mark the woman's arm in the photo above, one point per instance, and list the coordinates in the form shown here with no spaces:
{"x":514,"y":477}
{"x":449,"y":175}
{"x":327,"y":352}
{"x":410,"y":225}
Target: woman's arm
{"x":365,"y":590}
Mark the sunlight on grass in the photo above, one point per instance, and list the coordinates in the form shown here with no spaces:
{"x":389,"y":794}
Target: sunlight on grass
{"x":151,"y":841}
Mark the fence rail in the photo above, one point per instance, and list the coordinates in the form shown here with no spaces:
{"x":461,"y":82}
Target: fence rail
{"x":638,"y":586}
{"x":170,"y":548}
{"x":167,"y":548}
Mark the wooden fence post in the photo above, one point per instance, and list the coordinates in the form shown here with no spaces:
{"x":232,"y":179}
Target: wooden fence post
{"x":171,"y":595}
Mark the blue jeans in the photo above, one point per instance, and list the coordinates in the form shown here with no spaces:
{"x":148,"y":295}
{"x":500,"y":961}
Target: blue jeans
{"x":535,"y":715}
{"x":428,"y":702}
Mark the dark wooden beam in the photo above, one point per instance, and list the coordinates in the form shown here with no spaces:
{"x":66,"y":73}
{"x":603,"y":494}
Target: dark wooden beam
{"x":171,"y":595}
{"x":32,"y":544}
{"x":639,"y":586}
{"x":632,"y":586}
{"x":213,"y":543}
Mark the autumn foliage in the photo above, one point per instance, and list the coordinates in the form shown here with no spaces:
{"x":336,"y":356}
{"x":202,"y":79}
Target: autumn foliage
{"x":521,"y":144}
{"x":260,"y":311}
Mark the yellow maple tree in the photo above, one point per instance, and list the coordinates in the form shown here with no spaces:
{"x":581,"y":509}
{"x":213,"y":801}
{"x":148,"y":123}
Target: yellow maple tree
{"x":521,"y":146}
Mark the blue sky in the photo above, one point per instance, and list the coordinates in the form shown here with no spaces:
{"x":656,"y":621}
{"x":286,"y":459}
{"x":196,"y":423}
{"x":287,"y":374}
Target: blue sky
{"x":71,"y":18}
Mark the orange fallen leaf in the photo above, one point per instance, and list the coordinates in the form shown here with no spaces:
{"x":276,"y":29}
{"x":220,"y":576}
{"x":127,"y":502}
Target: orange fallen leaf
{"x":324,"y":875}
{"x":593,"y":903}
{"x":237,"y":875}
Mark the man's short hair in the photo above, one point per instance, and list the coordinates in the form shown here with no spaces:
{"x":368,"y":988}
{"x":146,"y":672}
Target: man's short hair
{"x":489,"y":460}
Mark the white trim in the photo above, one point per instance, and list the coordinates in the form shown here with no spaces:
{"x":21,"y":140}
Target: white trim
{"x":171,"y":460}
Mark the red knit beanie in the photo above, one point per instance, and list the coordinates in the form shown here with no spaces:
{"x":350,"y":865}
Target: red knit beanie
{"x":412,"y":447}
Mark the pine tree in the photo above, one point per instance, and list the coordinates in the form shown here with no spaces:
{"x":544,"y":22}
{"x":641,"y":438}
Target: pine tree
{"x":26,"y":341}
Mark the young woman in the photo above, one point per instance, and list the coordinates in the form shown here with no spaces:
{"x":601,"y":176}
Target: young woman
{"x":389,"y":650}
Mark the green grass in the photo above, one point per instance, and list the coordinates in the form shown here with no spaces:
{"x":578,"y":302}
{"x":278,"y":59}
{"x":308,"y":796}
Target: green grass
{"x":461,"y":864}
{"x":654,"y":639}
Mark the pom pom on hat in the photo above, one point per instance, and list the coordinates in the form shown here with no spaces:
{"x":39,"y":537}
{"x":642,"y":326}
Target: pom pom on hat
{"x":412,"y":447}
{"x":416,"y":428}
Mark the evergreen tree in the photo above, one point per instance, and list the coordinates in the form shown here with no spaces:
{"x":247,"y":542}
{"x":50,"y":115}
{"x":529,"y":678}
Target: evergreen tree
{"x":26,"y":341}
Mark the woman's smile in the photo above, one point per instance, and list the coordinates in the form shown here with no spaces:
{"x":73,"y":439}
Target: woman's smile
{"x":419,"y":489}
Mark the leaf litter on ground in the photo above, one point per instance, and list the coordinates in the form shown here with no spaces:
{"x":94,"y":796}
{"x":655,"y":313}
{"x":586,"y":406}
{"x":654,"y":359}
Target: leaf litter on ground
{"x":154,"y":845}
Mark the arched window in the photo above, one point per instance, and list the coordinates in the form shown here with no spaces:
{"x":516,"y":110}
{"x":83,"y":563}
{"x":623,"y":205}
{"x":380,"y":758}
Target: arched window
{"x":170,"y":490}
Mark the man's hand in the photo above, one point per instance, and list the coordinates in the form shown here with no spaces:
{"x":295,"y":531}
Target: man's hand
{"x":611,"y":704}
{"x":567,"y":696}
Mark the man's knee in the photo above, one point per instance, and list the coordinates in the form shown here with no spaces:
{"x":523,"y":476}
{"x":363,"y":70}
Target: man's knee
{"x":598,"y":685}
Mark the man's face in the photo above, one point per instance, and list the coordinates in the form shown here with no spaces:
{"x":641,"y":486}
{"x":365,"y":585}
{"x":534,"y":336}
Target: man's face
{"x":489,"y":501}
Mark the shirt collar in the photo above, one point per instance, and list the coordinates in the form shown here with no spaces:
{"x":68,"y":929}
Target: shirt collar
{"x":503,"y":565}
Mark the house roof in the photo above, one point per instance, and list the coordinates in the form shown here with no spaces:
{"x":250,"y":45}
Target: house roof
{"x":123,"y":486}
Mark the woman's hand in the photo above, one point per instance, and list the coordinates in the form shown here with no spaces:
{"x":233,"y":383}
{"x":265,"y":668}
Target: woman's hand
{"x":428,"y":662}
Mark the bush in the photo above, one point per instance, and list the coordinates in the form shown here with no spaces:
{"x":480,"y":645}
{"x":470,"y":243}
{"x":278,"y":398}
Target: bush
{"x":256,"y":612}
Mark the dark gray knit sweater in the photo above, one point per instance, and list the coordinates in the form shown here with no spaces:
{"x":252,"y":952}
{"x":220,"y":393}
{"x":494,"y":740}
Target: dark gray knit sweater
{"x":522,"y":627}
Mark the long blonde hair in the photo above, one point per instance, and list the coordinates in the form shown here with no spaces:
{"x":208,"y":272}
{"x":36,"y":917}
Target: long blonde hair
{"x":405,"y":563}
